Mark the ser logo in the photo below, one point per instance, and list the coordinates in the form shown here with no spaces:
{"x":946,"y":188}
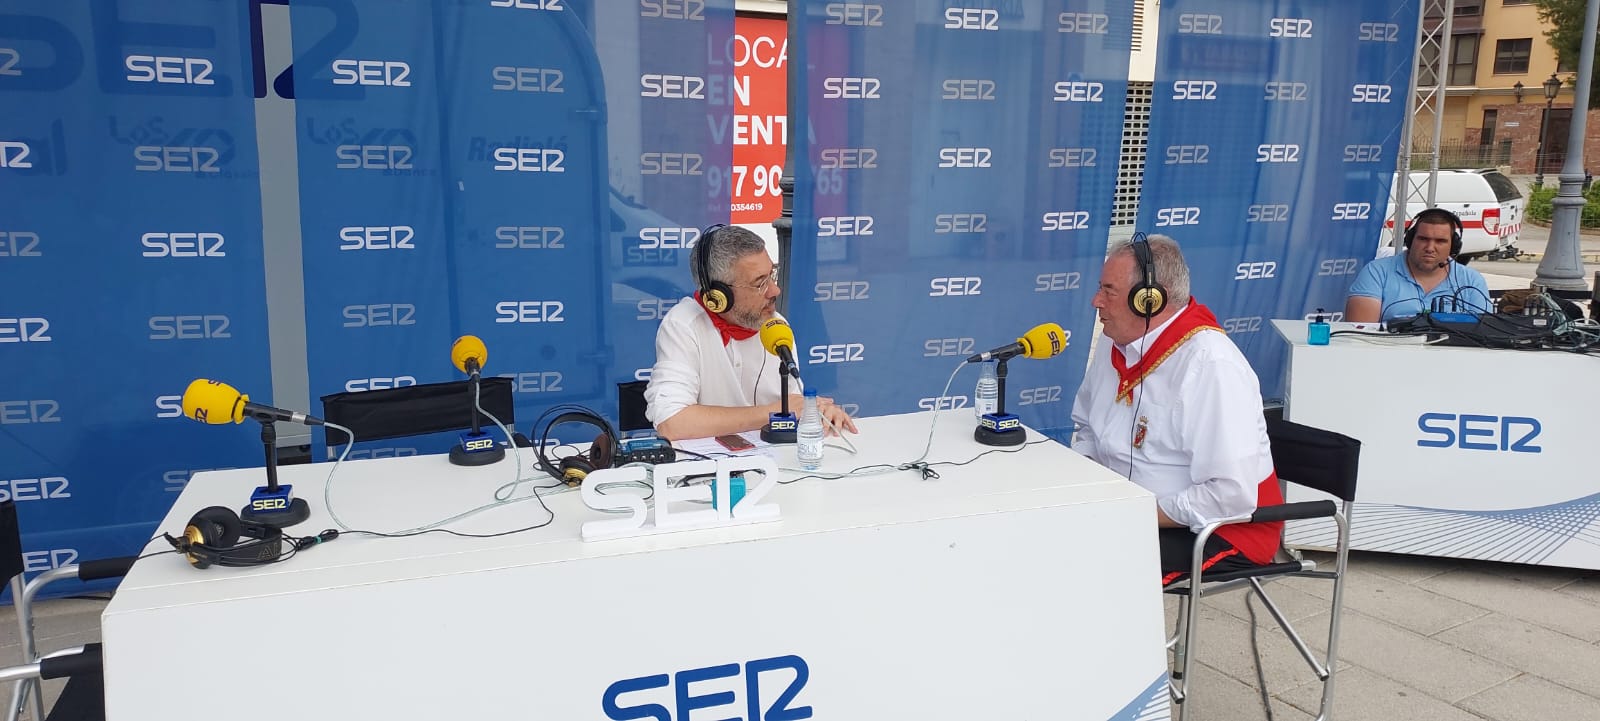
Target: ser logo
{"x":1255,"y":270}
{"x":1083,"y":23}
{"x":373,"y":157}
{"x":14,"y":154}
{"x":376,"y":237}
{"x":1278,"y":153}
{"x":1036,"y":396}
{"x":1199,"y":24}
{"x":9,"y":57}
{"x":1079,"y":91}
{"x":1330,"y":317}
{"x":530,"y":311}
{"x":1052,"y":282}
{"x":381,"y":383}
{"x":1188,"y":154}
{"x":1073,"y":157}
{"x":24,"y":330}
{"x":959,"y":18}
{"x":1278,"y":90}
{"x":382,"y":73}
{"x":849,"y":158}
{"x":530,"y":160}
{"x":509,"y":78}
{"x":965,"y":157}
{"x":1063,"y":220}
{"x":837,"y":353}
{"x":1378,"y":32}
{"x":169,"y":406}
{"x":859,"y":14}
{"x":673,"y":9}
{"x":19,"y":244}
{"x":851,"y":88}
{"x":1352,"y":211}
{"x":1338,"y":266}
{"x":377,"y":315}
{"x":1364,"y":93}
{"x":844,"y":225}
{"x":960,"y":223}
{"x":942,"y":347}
{"x":188,"y":327}
{"x":654,"y":308}
{"x":165,"y":69}
{"x":1497,"y":433}
{"x":679,"y":87}
{"x":183,"y":245}
{"x":969,"y":285}
{"x":1177,"y":216}
{"x":535,"y":381}
{"x":678,"y":238}
{"x":13,"y":413}
{"x":36,"y":561}
{"x":943,"y":403}
{"x":960,"y":89}
{"x":1247,"y":324}
{"x":670,"y":163}
{"x":1194,"y":90}
{"x":842,"y":290}
{"x":1267,"y":213}
{"x":176,"y":159}
{"x":1363,"y":153}
{"x":1289,"y":28}
{"x":551,"y":5}
{"x":529,"y":236}
{"x":661,"y":692}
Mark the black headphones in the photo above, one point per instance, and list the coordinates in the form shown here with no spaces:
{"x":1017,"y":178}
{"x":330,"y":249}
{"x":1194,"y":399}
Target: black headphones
{"x":715,"y":295}
{"x":1436,"y":216}
{"x":212,"y":538}
{"x":572,"y":469}
{"x":1148,"y":298}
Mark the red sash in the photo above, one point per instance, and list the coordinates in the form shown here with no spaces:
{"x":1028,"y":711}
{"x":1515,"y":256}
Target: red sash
{"x":729,"y":331}
{"x":1258,"y":541}
{"x":1191,"y":320}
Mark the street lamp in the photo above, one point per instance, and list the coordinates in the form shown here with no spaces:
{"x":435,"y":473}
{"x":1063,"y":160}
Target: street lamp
{"x":1552,"y":88}
{"x":1516,"y":91}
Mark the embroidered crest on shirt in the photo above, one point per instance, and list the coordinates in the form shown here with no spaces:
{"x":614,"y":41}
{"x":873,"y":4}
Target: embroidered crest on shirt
{"x":1140,"y":431}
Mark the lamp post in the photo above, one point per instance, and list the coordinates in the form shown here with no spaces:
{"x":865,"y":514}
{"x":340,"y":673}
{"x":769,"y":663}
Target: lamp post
{"x":1552,"y":87}
{"x":1562,"y":267}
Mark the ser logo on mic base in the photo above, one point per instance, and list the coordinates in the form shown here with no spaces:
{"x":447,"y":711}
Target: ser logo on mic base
{"x":275,"y":506}
{"x":476,"y":449}
{"x":999,"y":429}
{"x":780,"y":428}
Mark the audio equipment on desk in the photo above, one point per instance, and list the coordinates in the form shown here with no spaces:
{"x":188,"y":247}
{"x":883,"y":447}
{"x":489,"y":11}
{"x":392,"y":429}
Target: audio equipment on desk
{"x":572,"y":469}
{"x":215,"y":536}
{"x":215,"y":402}
{"x":1041,"y":341}
{"x":778,"y":338}
{"x":476,"y":447}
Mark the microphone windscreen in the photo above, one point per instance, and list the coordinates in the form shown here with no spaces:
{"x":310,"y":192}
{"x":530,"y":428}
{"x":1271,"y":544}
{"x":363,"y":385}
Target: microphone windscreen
{"x":214,"y":402}
{"x":468,"y":346}
{"x":1043,"y":341}
{"x":775,"y":333}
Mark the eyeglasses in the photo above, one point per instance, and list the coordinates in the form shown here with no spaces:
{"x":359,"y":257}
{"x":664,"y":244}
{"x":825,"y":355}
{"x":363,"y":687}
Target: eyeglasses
{"x":759,"y":286}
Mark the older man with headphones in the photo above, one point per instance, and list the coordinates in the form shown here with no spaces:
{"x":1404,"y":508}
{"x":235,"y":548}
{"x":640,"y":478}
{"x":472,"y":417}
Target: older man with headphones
{"x":1171,"y":402}
{"x":1424,"y":277}
{"x":712,"y":376}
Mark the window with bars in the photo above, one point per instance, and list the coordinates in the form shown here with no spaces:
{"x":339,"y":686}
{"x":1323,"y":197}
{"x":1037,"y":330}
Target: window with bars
{"x":1135,"y":144}
{"x":1511,"y":56}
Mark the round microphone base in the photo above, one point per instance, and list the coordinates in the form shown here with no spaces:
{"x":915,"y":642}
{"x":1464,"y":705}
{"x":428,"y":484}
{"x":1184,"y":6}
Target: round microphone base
{"x":462,"y":457}
{"x":297,"y":511}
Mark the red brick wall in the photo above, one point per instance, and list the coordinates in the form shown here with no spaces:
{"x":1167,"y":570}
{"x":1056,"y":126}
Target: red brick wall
{"x":1524,"y":136}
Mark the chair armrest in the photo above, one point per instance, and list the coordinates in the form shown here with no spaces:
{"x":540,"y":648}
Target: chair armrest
{"x":1295,"y":511}
{"x":82,"y":661}
{"x":105,"y":568}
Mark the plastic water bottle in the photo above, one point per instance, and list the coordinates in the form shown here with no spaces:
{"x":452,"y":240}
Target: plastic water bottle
{"x":986,"y":398}
{"x":808,"y":436}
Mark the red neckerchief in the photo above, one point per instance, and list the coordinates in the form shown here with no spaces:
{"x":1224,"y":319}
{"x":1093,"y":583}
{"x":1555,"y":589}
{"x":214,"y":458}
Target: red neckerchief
{"x":1191,"y":320}
{"x":729,"y":331}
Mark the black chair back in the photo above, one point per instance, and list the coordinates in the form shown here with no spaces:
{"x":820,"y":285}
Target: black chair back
{"x":10,"y":541}
{"x":416,"y":410}
{"x":1315,"y":458}
{"x":631,"y":407}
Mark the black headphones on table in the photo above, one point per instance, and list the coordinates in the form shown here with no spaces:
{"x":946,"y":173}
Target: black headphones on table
{"x":715,"y":295}
{"x":1436,"y":216}
{"x":572,"y":469}
{"x":1148,"y":298}
{"x":212,"y":538}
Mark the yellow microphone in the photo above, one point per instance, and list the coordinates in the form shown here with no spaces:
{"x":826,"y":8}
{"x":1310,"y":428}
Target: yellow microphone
{"x":469,"y":354}
{"x":778,"y":338}
{"x":216,"y":403}
{"x":1040,"y":342}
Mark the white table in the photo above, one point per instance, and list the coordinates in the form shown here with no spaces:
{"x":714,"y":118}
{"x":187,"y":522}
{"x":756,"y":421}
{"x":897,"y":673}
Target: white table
{"x":1021,"y":586}
{"x":1466,"y":452}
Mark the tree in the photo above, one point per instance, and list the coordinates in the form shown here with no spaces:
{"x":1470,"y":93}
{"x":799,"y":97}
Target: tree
{"x":1564,"y":18}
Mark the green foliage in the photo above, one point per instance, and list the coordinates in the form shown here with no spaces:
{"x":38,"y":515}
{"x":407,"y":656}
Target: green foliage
{"x":1541,"y":209}
{"x":1564,"y":22}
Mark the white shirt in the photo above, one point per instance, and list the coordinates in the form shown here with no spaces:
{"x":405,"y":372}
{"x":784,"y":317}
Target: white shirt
{"x":1205,"y":449}
{"x":694,"y":368}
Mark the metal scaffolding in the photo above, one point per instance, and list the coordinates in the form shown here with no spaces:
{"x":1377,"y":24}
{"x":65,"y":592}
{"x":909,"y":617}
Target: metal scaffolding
{"x":1427,"y":95}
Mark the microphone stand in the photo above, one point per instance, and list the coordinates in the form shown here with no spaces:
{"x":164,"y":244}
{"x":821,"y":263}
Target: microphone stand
{"x":476,"y":448}
{"x":272,"y":504}
{"x":781,"y":426}
{"x":999,"y":428}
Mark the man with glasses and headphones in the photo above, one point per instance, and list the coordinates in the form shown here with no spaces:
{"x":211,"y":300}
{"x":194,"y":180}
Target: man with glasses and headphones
{"x":1171,"y":402}
{"x":1423,"y":277}
{"x":712,"y":376}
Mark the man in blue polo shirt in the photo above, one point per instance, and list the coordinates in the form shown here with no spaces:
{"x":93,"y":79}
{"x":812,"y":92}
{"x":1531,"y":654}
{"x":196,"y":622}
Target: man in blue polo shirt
{"x":1422,"y":277}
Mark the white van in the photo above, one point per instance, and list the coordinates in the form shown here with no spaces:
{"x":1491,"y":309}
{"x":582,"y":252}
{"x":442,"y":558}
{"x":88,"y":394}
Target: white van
{"x":1488,"y":203}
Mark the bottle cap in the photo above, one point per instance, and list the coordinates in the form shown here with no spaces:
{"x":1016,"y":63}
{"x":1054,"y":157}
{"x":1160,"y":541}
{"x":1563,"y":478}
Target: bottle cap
{"x":810,"y":393}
